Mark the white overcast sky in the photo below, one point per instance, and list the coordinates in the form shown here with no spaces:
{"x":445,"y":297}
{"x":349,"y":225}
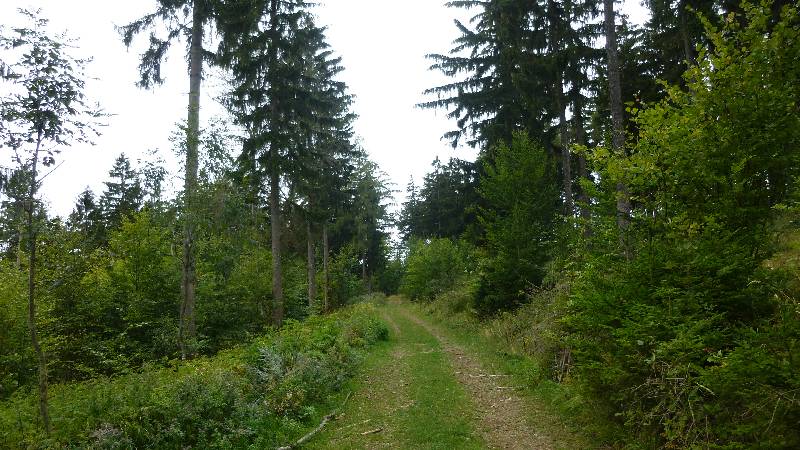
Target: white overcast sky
{"x":382,"y":44}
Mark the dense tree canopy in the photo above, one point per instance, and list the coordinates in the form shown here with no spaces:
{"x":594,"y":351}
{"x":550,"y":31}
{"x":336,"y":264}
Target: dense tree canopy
{"x":669,"y":297}
{"x":111,"y":277}
{"x":627,"y":236}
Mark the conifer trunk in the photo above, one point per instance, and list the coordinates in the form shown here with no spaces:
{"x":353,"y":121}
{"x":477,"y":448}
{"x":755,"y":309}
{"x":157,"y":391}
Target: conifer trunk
{"x":44,"y":409}
{"x":364,"y":274}
{"x":617,"y":120}
{"x":274,"y":192}
{"x":566,"y":158}
{"x":583,"y":170}
{"x":19,"y":245}
{"x":688,"y":49}
{"x":275,"y":220}
{"x":312,"y":269}
{"x":558,"y":94}
{"x":187,"y":332}
{"x":325,"y":269}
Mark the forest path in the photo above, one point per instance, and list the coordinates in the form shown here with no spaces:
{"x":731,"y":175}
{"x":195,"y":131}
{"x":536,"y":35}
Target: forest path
{"x":421,"y":390}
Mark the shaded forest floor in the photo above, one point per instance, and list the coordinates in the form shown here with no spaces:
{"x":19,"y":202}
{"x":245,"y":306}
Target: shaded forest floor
{"x":424,"y":388}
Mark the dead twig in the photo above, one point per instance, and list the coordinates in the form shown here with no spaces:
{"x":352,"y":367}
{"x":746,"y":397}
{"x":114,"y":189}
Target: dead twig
{"x":319,"y":428}
{"x":354,"y":425}
{"x":376,"y":430}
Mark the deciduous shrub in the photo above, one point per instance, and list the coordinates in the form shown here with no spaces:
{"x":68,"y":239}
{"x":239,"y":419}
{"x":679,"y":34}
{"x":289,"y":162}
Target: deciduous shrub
{"x":694,"y":338}
{"x":435,"y":266}
{"x":16,"y":357}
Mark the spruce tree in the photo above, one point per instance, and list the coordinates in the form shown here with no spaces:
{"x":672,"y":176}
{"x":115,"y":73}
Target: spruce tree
{"x":409,"y":214}
{"x":123,"y":194}
{"x":495,"y":99}
{"x":87,"y":219}
{"x":617,"y":118}
{"x":268,"y":45}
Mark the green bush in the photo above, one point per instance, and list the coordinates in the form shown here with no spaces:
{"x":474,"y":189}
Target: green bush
{"x":259,"y":395}
{"x":693,"y":337}
{"x":535,"y":330}
{"x":391,"y":276}
{"x":235,"y":301}
{"x":17,"y":362}
{"x":435,"y":266}
{"x":345,"y":276}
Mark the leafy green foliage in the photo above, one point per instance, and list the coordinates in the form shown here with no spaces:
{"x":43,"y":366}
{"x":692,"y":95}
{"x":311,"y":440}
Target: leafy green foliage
{"x":687,"y":338}
{"x":16,"y":357}
{"x":123,"y":194}
{"x":435,"y":266}
{"x":259,"y":395}
{"x":344,"y":277}
{"x":693,"y":338}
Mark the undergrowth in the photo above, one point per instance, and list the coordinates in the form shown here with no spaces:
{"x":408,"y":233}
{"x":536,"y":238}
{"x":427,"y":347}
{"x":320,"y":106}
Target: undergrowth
{"x":259,"y":395}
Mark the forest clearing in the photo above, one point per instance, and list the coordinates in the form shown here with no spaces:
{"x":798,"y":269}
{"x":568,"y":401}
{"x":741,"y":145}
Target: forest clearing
{"x":202,"y":243}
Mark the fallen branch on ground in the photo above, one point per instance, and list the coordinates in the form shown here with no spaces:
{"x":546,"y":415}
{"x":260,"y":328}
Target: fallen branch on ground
{"x":353,"y":425}
{"x":319,"y":428}
{"x":376,"y":430}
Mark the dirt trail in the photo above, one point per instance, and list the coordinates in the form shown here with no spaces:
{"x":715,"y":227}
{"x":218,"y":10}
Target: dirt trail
{"x":501,"y":414}
{"x":370,"y":421}
{"x":420,"y":390}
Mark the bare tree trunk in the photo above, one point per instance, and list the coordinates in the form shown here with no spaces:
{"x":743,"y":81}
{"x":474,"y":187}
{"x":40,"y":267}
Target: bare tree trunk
{"x":617,"y":121}
{"x":583,"y":170}
{"x":275,"y":220}
{"x":325,"y":269}
{"x":365,"y":275}
{"x":558,"y":97}
{"x":44,"y":410}
{"x":187,"y":332}
{"x":274,"y":193}
{"x":19,"y":245}
{"x":312,"y":268}
{"x":566,"y":158}
{"x":364,"y":267}
{"x":688,"y":48}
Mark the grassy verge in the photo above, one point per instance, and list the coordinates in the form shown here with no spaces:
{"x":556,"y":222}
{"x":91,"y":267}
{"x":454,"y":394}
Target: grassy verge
{"x":261,"y":395}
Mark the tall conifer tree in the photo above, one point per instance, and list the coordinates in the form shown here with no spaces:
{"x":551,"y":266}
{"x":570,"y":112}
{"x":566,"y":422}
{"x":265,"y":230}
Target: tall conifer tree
{"x":270,"y":47}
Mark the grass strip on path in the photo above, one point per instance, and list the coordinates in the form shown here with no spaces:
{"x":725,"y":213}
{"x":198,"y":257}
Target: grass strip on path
{"x":406,"y":397}
{"x":546,"y":408}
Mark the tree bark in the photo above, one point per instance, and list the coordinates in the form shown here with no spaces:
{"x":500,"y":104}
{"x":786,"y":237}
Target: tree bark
{"x":275,"y":221}
{"x":583,"y":170}
{"x":274,"y":193}
{"x":187,"y":332}
{"x":365,"y":274}
{"x":688,"y":48}
{"x":617,"y":121}
{"x":325,"y":269}
{"x":44,"y":409}
{"x":312,"y":268}
{"x":19,"y":243}
{"x":566,"y":158}
{"x":558,"y":97}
